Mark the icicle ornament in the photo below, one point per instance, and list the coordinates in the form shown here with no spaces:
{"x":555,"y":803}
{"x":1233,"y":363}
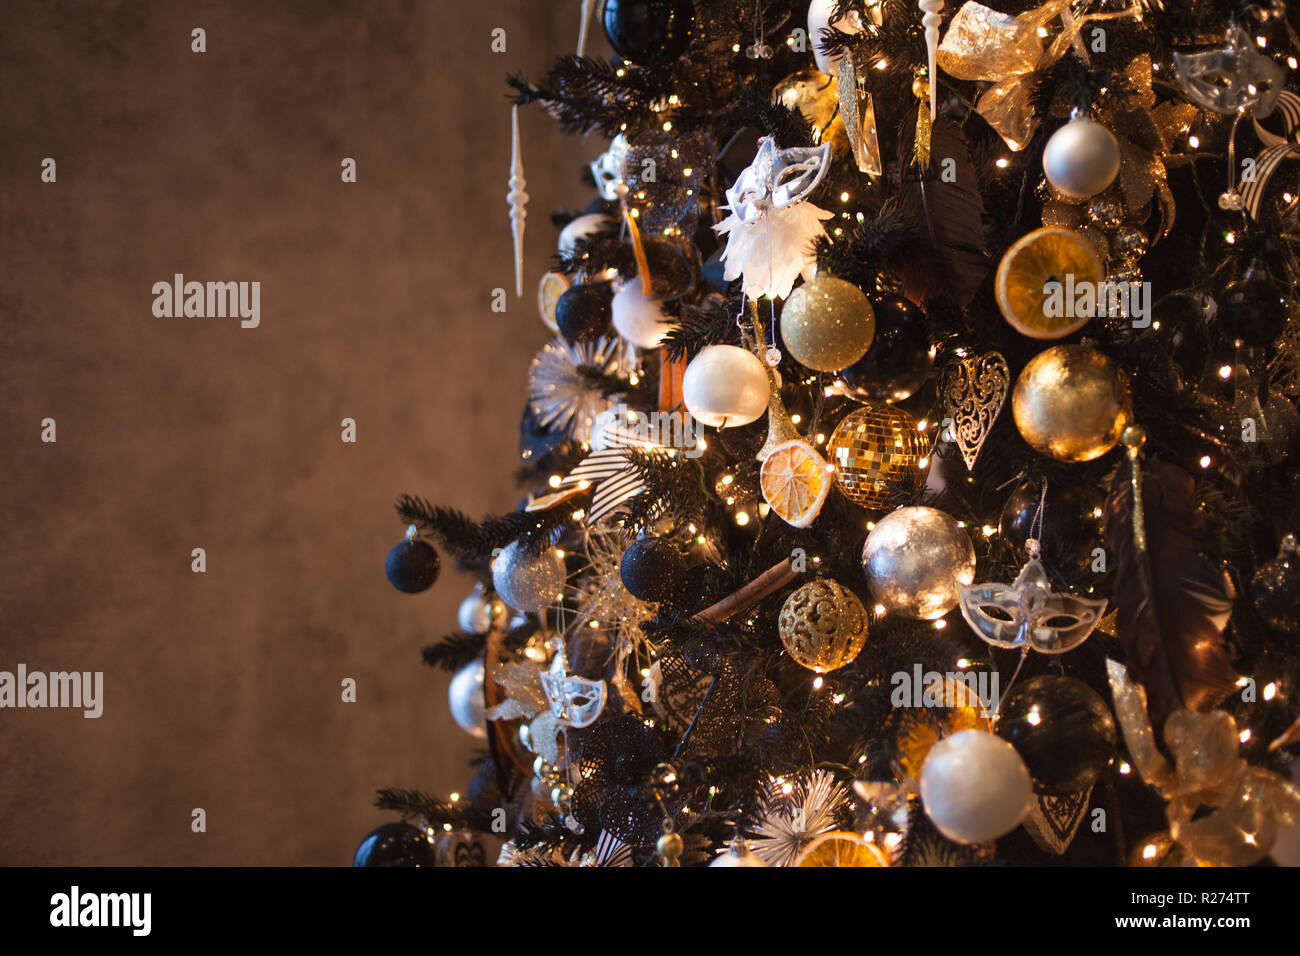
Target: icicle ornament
{"x":518,"y":200}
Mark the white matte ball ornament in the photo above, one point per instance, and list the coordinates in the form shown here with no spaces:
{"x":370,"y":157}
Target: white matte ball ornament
{"x":580,"y":228}
{"x":975,"y":787}
{"x":465,"y":698}
{"x":1081,"y":159}
{"x":725,"y":386}
{"x":528,"y":582}
{"x":638,"y":318}
{"x":819,"y":18}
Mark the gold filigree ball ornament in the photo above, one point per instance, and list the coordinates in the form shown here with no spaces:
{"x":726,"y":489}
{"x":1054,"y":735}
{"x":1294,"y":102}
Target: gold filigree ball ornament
{"x":874,"y":450}
{"x":1071,"y":403}
{"x":915,"y":559}
{"x":827,"y":324}
{"x":823,"y":625}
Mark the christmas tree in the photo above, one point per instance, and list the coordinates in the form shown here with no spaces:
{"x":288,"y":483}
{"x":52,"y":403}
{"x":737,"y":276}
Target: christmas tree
{"x":911,"y":476}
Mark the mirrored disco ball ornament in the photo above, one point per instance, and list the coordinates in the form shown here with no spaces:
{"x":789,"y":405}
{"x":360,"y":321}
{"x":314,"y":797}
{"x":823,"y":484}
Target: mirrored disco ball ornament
{"x":873,"y":450}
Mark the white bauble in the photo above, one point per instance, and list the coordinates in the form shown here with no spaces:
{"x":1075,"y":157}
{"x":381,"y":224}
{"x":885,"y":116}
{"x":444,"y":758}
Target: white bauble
{"x":580,"y":228}
{"x":475,"y":613}
{"x":819,"y":18}
{"x":465,"y":698}
{"x":638,"y":318}
{"x":975,"y":787}
{"x":1081,"y":159}
{"x":725,"y":386}
{"x":738,"y":854}
{"x":528,"y":582}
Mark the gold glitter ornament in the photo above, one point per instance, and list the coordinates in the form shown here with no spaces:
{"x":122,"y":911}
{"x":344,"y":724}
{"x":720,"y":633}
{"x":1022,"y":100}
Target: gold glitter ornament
{"x":1071,"y":403}
{"x":827,"y":324}
{"x":823,"y":625}
{"x":873,"y":450}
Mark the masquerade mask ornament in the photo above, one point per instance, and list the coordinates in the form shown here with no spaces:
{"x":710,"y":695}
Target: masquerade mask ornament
{"x":1233,"y":79}
{"x":1028,"y":613}
{"x":771,"y":227}
{"x":607,"y":170}
{"x":575,"y":701}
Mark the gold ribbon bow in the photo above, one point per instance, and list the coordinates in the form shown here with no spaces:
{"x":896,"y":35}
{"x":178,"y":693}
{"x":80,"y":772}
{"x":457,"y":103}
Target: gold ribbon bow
{"x":1250,"y":803}
{"x":988,"y":46}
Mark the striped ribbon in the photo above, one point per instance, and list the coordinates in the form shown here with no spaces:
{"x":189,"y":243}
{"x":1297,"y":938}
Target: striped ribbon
{"x":1276,"y":149}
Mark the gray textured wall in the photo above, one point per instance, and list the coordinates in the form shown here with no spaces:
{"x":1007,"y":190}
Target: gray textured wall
{"x":222,"y":690}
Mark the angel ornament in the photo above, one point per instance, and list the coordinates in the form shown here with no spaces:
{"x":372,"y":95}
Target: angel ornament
{"x":771,"y":226}
{"x":1028,"y":614}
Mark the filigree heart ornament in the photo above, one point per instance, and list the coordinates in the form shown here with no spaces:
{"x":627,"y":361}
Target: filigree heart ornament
{"x":975,"y":389}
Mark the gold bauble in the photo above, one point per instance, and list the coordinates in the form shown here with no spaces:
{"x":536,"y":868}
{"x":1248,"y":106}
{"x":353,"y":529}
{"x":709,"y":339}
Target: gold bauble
{"x":1071,"y":403}
{"x":827,"y":324}
{"x":816,"y":96}
{"x":823,"y":625}
{"x":873,"y":450}
{"x":1160,"y":849}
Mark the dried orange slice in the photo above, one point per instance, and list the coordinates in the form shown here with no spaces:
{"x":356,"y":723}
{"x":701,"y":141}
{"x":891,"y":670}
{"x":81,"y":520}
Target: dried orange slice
{"x":549,"y":290}
{"x":1047,"y":255}
{"x":842,"y":848}
{"x":794,"y":480}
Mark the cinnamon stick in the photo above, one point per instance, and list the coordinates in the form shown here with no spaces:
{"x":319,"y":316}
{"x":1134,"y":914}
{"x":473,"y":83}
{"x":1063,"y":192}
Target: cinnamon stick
{"x":770,"y":581}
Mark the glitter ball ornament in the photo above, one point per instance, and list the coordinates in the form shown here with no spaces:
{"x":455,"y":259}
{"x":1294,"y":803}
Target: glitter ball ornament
{"x":726,"y":386}
{"x":412,"y":565}
{"x":394,"y":844}
{"x":652,"y":569}
{"x":975,"y":787}
{"x":1275,"y":590}
{"x":823,"y":625}
{"x":873,"y":450}
{"x":465,"y":699}
{"x":827,"y":324}
{"x":528,"y":582}
{"x":1071,"y":403}
{"x":914,"y":559}
{"x":583,"y":312}
{"x":1081,"y":159}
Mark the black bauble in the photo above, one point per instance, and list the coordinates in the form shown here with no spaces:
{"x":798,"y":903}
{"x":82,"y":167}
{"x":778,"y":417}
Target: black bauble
{"x":1275,"y":591}
{"x":652,"y":569}
{"x":1062,"y":730}
{"x":648,"y":32}
{"x":674,"y":266}
{"x":899,"y":360}
{"x":1180,"y":323}
{"x":412,"y":566}
{"x":394,"y":844}
{"x":1072,"y":524}
{"x":584,"y":311}
{"x":1251,"y":311}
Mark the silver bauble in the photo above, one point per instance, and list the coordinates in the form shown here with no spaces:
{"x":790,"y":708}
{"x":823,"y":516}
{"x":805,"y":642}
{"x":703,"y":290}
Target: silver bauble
{"x":476,"y":613}
{"x":914,"y":559}
{"x":528,"y":582}
{"x":726,"y":386}
{"x":1081,"y":159}
{"x":739,"y":854}
{"x":465,"y":698}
